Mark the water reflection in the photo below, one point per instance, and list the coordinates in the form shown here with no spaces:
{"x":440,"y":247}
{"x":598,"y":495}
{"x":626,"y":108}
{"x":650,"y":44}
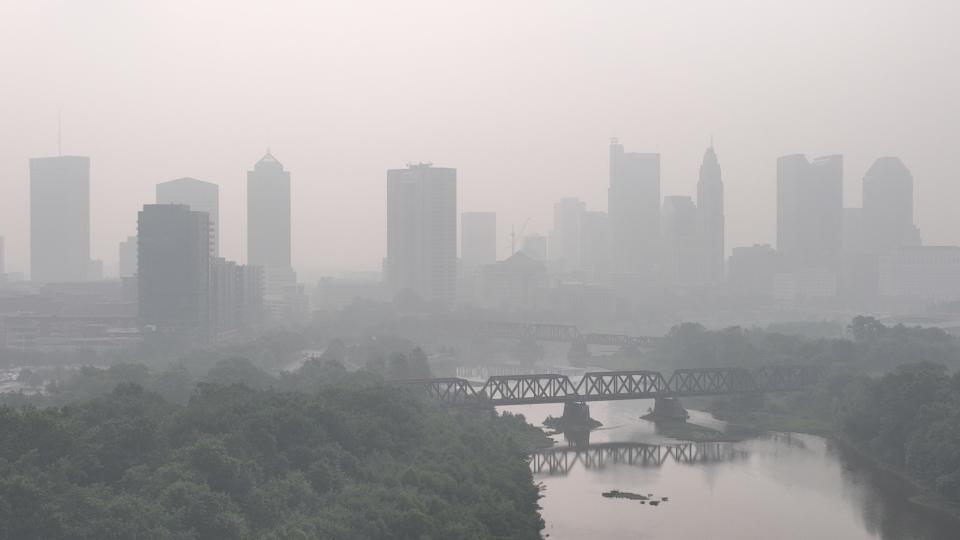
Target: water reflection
{"x":561,"y":460}
{"x":780,"y":485}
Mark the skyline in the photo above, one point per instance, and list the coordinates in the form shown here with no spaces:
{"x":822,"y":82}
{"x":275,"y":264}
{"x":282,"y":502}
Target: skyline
{"x":502,"y":242}
{"x":528,"y":116}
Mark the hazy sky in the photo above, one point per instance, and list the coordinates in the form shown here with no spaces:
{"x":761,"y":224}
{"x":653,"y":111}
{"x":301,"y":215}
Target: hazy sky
{"x":520,"y":96}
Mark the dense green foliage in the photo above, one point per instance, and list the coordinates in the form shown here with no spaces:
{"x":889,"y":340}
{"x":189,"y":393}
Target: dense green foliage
{"x":870,"y":346}
{"x":908,"y":419}
{"x":176,"y":383}
{"x":354,"y":458}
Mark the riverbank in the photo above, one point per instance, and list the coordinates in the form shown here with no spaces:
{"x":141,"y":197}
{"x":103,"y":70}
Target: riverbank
{"x":762,"y":421}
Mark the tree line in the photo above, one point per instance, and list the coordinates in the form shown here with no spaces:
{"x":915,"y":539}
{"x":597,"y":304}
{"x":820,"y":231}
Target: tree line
{"x":317,"y":453}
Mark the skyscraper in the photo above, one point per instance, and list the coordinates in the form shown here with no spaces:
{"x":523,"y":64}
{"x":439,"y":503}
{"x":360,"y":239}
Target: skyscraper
{"x":59,"y":218}
{"x":595,"y":255}
{"x":268,"y":215}
{"x":565,"y":238}
{"x":478,"y":238}
{"x":174,"y":270}
{"x":710,"y":217}
{"x":634,"y":209}
{"x":682,"y":249}
{"x":198,"y":195}
{"x":422,"y":231}
{"x":810,"y":211}
{"x":888,"y":207}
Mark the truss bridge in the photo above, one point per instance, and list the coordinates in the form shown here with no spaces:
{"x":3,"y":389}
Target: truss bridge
{"x":616,"y":385}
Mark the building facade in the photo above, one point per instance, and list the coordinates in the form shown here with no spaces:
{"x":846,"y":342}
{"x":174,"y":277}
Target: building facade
{"x":595,"y":249}
{"x":59,"y":218}
{"x":127,"y":251}
{"x":268,"y":221}
{"x":565,"y":238}
{"x":810,"y":212}
{"x":422,"y":232}
{"x":682,"y":252}
{"x":710,"y":217}
{"x":633,"y":206}
{"x":927,"y":273}
{"x":173,"y":251}
{"x":199,"y":196}
{"x":888,"y":207}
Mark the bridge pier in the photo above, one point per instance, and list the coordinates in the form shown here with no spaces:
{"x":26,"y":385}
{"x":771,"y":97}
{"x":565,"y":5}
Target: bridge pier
{"x":576,"y":416}
{"x":668,"y":409}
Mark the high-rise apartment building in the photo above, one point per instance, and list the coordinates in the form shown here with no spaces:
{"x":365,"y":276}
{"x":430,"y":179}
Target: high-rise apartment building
{"x":634,"y":209}
{"x":810,"y":211}
{"x":422,"y":231}
{"x":59,"y":218}
{"x":199,"y":196}
{"x":710,"y":217}
{"x":173,"y":250}
{"x":478,"y":238}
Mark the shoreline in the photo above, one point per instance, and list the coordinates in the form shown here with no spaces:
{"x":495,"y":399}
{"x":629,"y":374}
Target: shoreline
{"x":922,"y":496}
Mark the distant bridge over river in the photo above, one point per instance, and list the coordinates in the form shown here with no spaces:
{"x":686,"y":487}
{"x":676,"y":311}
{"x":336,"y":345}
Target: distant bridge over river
{"x":616,"y":385}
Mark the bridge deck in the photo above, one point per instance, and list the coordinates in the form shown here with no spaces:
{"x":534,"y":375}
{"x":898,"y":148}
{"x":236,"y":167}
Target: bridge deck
{"x":617,"y":385}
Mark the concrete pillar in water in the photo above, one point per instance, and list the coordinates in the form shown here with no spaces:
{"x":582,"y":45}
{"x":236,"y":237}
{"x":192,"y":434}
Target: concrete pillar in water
{"x":576,"y":413}
{"x":670,"y":409}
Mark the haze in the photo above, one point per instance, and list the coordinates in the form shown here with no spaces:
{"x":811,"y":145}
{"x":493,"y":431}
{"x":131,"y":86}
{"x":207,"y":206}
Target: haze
{"x":520,"y":97}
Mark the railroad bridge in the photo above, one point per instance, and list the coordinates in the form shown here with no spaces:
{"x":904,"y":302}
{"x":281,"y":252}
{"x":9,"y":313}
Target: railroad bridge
{"x":559,"y":461}
{"x":616,"y":385}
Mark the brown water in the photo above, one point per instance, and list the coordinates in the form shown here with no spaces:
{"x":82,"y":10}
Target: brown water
{"x":778,"y":486}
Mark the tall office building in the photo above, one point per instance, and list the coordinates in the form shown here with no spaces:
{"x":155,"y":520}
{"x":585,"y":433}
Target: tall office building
{"x":127,"y":252}
{"x":565,"y":239}
{"x":710,"y":217}
{"x":682,"y":249}
{"x":422,"y":231}
{"x":595,"y":254}
{"x":59,"y":218}
{"x":810,"y":211}
{"x":199,"y":196}
{"x":173,"y":247}
{"x":268,"y":217}
{"x":888,"y":207}
{"x":478,"y":238}
{"x":633,"y":206}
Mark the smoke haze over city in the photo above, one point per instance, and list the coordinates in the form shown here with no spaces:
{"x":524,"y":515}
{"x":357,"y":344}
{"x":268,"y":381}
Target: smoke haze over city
{"x":520,"y":97}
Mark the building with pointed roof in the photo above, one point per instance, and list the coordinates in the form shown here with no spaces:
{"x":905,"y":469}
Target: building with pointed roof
{"x":268,"y":218}
{"x":710,"y":216}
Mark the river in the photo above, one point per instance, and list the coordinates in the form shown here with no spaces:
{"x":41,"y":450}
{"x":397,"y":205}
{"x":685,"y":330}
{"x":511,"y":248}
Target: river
{"x":777,"y":486}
